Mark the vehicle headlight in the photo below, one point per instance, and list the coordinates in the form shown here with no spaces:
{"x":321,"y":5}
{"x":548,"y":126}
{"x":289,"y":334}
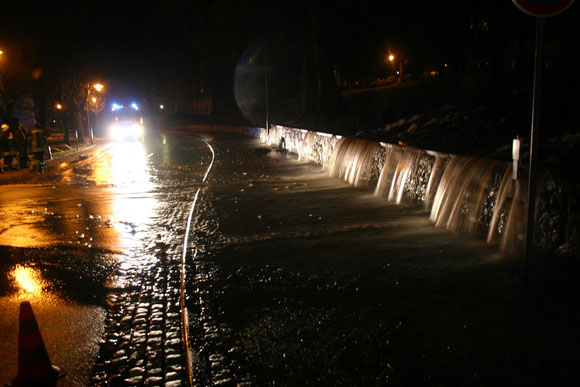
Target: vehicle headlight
{"x":134,"y":131}
{"x":115,"y":132}
{"x":138,"y":129}
{"x":126,"y":131}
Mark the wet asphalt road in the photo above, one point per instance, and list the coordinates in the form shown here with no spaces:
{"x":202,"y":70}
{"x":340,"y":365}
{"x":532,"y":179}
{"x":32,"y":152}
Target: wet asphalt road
{"x":300,"y":279}
{"x":292,"y":278}
{"x":94,"y":244}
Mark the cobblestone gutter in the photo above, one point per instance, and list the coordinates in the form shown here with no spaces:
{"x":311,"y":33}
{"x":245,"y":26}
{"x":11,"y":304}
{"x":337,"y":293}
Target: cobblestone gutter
{"x":142,"y":342}
{"x":143,"y":339}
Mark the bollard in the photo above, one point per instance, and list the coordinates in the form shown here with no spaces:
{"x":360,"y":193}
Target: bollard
{"x":48,"y":153}
{"x":515,"y":157}
{"x":34,"y":367}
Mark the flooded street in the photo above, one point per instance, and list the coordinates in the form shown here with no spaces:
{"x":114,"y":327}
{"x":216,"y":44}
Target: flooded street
{"x":91,"y":245}
{"x":292,"y":277}
{"x":302,"y":279}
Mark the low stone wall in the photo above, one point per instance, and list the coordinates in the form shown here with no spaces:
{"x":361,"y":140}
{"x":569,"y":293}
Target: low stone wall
{"x":417,"y":175}
{"x":431,"y":178}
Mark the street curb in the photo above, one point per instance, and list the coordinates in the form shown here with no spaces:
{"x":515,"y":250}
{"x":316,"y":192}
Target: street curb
{"x":18,"y":176}
{"x":71,"y":154}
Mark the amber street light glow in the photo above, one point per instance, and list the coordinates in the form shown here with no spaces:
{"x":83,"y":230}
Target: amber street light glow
{"x":27,"y":279}
{"x":58,"y":106}
{"x":98,"y":87}
{"x":391,"y":57}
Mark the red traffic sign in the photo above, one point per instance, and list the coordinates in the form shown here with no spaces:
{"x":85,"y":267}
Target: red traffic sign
{"x":542,"y":8}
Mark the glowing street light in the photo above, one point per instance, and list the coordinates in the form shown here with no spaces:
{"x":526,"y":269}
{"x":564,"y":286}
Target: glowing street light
{"x":98,"y":87}
{"x":400,"y":61}
{"x":58,"y":106}
{"x":1,"y":72}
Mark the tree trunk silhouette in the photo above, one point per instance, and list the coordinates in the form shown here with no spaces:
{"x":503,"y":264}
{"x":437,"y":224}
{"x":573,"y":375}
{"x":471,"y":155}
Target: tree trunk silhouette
{"x":328,"y":99}
{"x":65,"y":124}
{"x":79,"y":124}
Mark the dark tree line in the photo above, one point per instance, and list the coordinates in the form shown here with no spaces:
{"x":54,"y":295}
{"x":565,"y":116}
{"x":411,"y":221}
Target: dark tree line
{"x":191,"y":49}
{"x":41,"y":67}
{"x":285,"y":36}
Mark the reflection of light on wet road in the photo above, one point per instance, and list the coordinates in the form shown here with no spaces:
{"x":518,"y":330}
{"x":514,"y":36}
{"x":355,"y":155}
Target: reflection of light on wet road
{"x":28,"y":283}
{"x":27,"y":279}
{"x":70,"y":330}
{"x":129,"y":168}
{"x":20,"y":227}
{"x":108,"y":201}
{"x":124,"y":166}
{"x":134,"y":206}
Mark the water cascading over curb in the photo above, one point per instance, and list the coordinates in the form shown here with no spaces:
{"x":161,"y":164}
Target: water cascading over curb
{"x":461,"y":193}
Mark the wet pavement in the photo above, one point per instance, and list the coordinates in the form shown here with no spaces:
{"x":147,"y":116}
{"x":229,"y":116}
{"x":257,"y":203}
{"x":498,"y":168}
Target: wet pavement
{"x":292,"y":277}
{"x":97,"y":241}
{"x":301,"y":279}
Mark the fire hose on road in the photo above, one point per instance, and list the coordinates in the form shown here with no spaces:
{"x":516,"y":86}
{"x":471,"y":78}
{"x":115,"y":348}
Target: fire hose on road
{"x":184,"y":320}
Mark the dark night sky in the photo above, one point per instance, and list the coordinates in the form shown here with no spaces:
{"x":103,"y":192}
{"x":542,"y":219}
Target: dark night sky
{"x":133,"y":28}
{"x":131,"y":37}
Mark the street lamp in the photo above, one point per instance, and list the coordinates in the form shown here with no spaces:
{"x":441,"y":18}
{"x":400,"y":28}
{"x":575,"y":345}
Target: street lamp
{"x":65,"y":126}
{"x":391,"y":58}
{"x":1,"y":72}
{"x":97,"y":87}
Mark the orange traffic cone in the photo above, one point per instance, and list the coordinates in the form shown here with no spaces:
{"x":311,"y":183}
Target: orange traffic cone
{"x":34,"y":367}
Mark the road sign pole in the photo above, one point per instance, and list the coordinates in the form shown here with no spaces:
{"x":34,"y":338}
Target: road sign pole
{"x":89,"y":114}
{"x":267,"y":97}
{"x":533,"y":174}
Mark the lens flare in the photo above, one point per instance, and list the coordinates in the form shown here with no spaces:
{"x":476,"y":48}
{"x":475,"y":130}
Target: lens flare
{"x":249,"y":84}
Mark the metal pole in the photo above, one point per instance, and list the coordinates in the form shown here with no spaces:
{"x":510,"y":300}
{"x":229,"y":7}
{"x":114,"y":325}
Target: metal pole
{"x":533,"y":174}
{"x":89,"y":114}
{"x":267,"y":102}
{"x":96,"y":119}
{"x":65,"y":124}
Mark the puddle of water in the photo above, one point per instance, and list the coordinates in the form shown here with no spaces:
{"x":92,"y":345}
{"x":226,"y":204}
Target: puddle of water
{"x":70,"y":329}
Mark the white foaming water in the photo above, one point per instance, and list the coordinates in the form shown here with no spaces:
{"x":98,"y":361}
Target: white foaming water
{"x":351,"y":160}
{"x":474,"y":195}
{"x":398,"y":165}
